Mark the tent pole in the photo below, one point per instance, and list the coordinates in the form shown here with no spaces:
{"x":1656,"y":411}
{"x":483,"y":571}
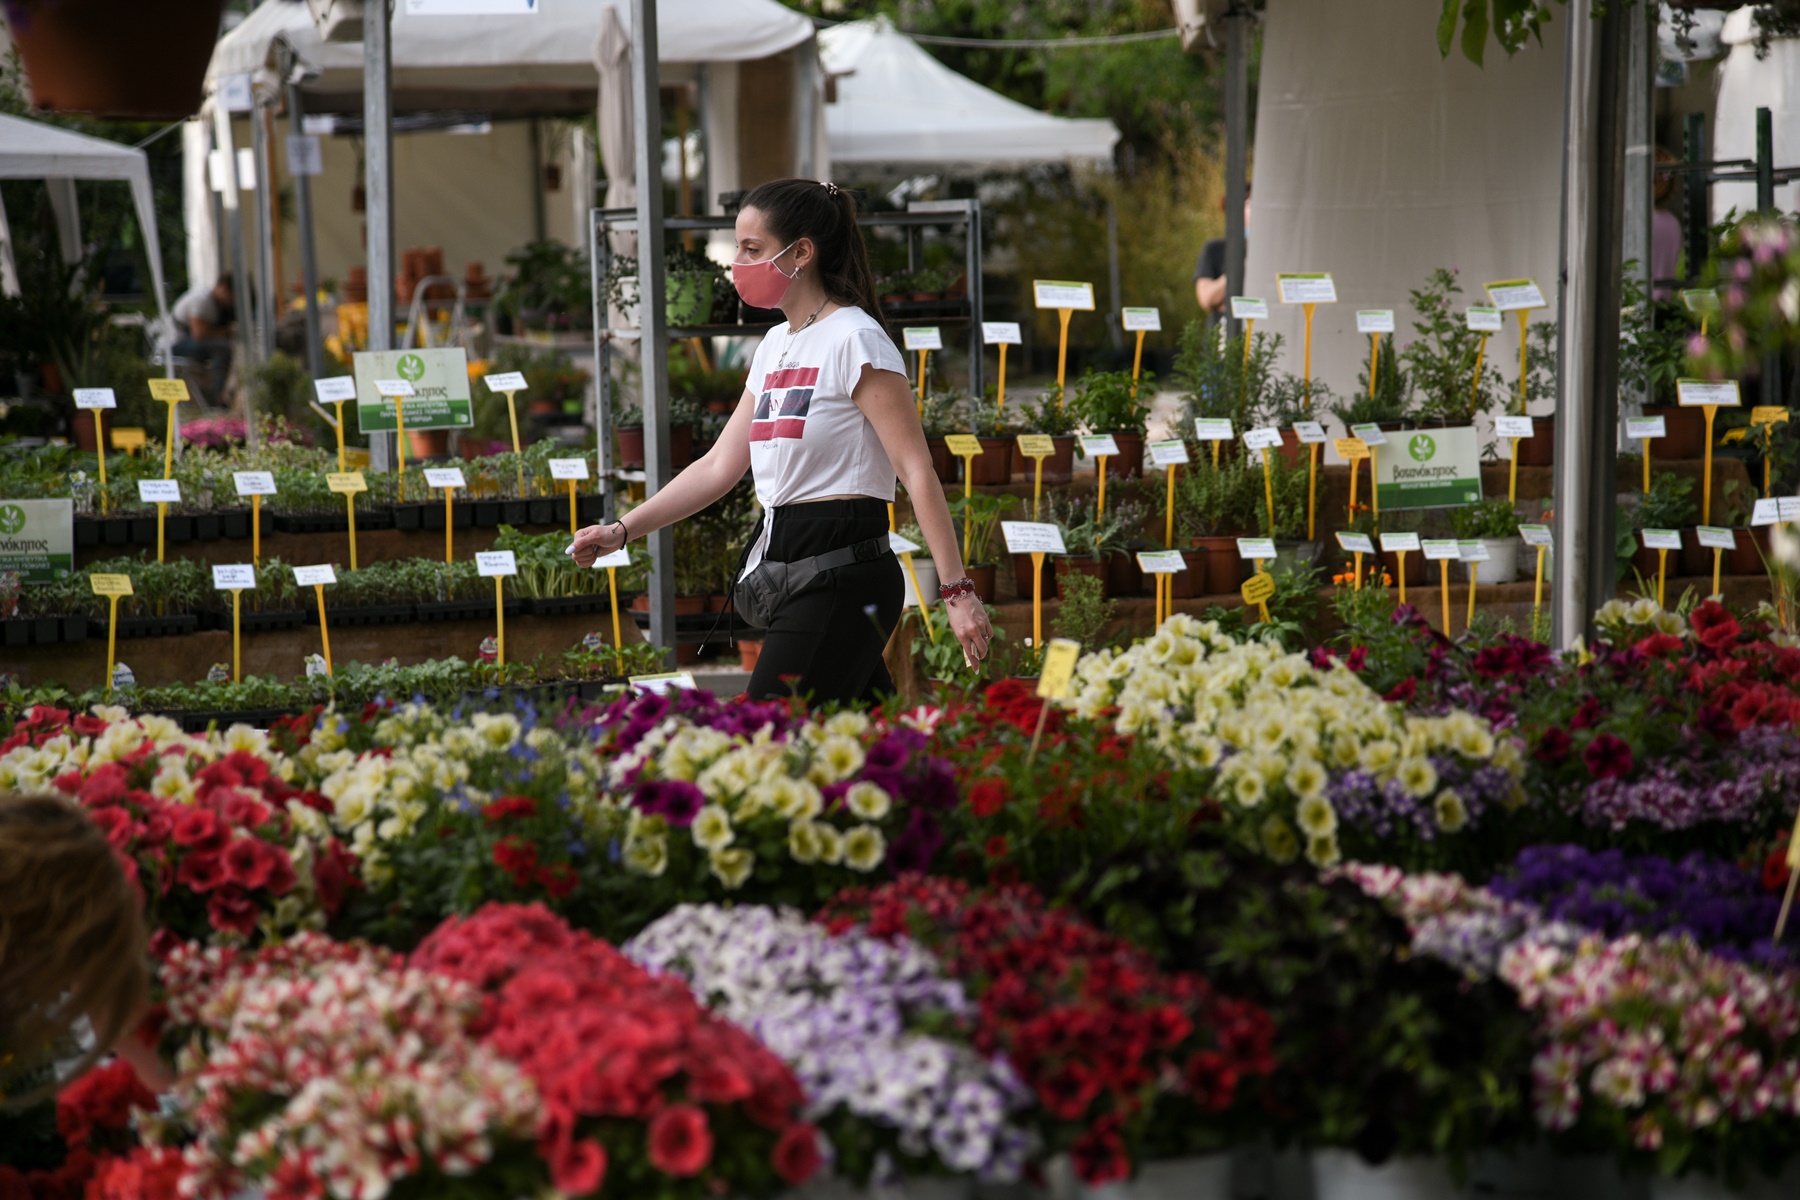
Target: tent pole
{"x":309,"y":263}
{"x":230,"y":197}
{"x":1588,"y":308}
{"x":654,"y":357}
{"x":378,"y":187}
{"x":1237,"y":147}
{"x":1640,"y":164}
{"x":1114,"y":331}
{"x":265,"y":235}
{"x":977,"y":311}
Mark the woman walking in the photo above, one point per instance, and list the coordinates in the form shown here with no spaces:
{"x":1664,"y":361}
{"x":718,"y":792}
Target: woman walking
{"x":825,"y":425}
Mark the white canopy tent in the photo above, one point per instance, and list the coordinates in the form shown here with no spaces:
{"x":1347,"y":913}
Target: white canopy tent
{"x":1746,"y":83}
{"x":897,"y":104}
{"x":29,"y":150}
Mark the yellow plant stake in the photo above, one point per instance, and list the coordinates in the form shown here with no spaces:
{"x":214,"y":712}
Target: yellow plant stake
{"x":905,"y":547}
{"x":1709,"y":396}
{"x":1353,"y":450}
{"x":1066,"y":298}
{"x":510,"y":384}
{"x":337,"y":391}
{"x":1519,"y":297}
{"x":1473,"y":554}
{"x":1169,"y":454}
{"x":235,"y":578}
{"x":1002,"y":334}
{"x":1265,"y":440}
{"x":114,"y":588}
{"x":1037,"y":447}
{"x":256,"y":485}
{"x":1538,"y":536}
{"x":612,"y":562}
{"x":967,"y":447}
{"x":98,"y":400}
{"x":1357,"y":544}
{"x":1793,"y":866}
{"x":162,"y":493}
{"x":1037,"y":540}
{"x":923,"y":340}
{"x":1718,"y":541}
{"x":498,"y":564}
{"x":448,"y":478}
{"x":1139,"y":321}
{"x":397,"y":390}
{"x":1765,"y":417}
{"x":1662,"y":541}
{"x":347,"y":484}
{"x":1257,"y":590}
{"x":1054,"y":678}
{"x":170,"y":392}
{"x":1444,"y":551}
{"x":571,"y":471}
{"x":316,"y":578}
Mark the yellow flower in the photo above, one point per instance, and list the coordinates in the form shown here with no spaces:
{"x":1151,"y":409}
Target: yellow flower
{"x":831,"y":844}
{"x":1452,"y":813}
{"x":712,"y":828}
{"x":1323,"y":851}
{"x":1418,"y":777}
{"x":795,"y":799}
{"x":647,"y":855}
{"x":867,"y":801}
{"x":1278,"y":840}
{"x":864,"y":848}
{"x":1379,"y":756}
{"x":847,"y":724}
{"x":839,"y":758}
{"x":1247,"y":788}
{"x":1317,"y":818}
{"x":733,"y":867}
{"x":803,"y":842}
{"x":1306,"y":779}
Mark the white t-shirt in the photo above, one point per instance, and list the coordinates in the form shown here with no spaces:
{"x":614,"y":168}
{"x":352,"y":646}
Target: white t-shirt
{"x":808,"y":440}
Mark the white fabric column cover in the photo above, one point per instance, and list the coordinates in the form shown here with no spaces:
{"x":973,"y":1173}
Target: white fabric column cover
{"x":9,"y":273}
{"x":196,"y":203}
{"x":612,"y":55}
{"x":1745,"y":85}
{"x":1378,"y":160}
{"x":67,"y":211}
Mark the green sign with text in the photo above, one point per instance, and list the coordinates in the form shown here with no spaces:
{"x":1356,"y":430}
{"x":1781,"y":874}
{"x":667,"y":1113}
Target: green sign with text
{"x":1430,"y":468}
{"x":440,"y":382}
{"x":37,"y":539}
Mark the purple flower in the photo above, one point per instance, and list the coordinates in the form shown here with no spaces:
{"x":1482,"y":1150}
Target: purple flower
{"x":913,"y":849}
{"x":674,"y":800}
{"x":893,"y":750}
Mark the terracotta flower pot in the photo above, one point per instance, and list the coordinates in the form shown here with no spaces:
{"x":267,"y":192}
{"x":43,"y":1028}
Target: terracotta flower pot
{"x":1696,"y":560}
{"x":1191,"y":584}
{"x":631,"y":447}
{"x":82,"y":429}
{"x":1058,"y":468}
{"x":986,"y":582}
{"x":1292,"y":449}
{"x":1746,"y":558}
{"x":748,"y":652}
{"x":1022,"y":571}
{"x":1684,"y":436}
{"x":1221,"y":570}
{"x":1081,"y":564}
{"x":1415,"y":567}
{"x":1539,"y":450}
{"x":1128,"y":463}
{"x":1123,"y":576}
{"x":428,"y":443}
{"x":994,"y":464}
{"x":942,"y":461}
{"x":118,"y":58}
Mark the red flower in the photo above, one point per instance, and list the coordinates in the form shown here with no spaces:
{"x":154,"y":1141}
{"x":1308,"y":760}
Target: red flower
{"x":251,"y":862}
{"x":987,"y":797}
{"x":517,"y":857}
{"x":1607,"y":757}
{"x":1713,"y":626}
{"x":1553,"y":746}
{"x":558,"y":879}
{"x":796,"y":1157}
{"x":580,"y":1169}
{"x":1403,"y":692}
{"x":1775,"y":868}
{"x":995,"y":847}
{"x":1099,"y":1157}
{"x":232,"y":909}
{"x":100,"y":1103}
{"x":1661,"y":645}
{"x":509,"y":806}
{"x":680,"y":1141}
{"x":334,"y":873}
{"x":202,"y":872}
{"x":200,"y":829}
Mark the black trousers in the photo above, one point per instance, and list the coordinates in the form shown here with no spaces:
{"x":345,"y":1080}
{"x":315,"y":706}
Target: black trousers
{"x":825,"y":644}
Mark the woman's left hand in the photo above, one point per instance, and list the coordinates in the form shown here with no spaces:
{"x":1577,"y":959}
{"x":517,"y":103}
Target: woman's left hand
{"x":969,"y":622}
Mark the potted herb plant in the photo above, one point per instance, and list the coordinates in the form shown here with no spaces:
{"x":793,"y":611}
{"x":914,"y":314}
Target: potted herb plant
{"x":1494,"y":523}
{"x":1287,"y":401}
{"x":940,"y":420}
{"x":1106,"y":402}
{"x":985,"y":419}
{"x":1390,"y":407}
{"x":1290,"y":483}
{"x":1441,"y":361}
{"x":1652,"y":349}
{"x":981,"y":554}
{"x":1217,"y":377}
{"x":1214,"y":506}
{"x":1669,"y":504}
{"x":1048,"y":415}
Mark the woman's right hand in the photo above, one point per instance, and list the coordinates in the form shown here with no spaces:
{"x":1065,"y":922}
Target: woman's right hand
{"x":597,"y":541}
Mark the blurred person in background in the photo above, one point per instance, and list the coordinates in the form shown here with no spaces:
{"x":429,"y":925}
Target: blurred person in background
{"x":1209,"y":272}
{"x":207,"y":316}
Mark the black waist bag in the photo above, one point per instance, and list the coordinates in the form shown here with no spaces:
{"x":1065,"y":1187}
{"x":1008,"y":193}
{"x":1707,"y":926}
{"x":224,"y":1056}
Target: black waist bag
{"x":759,"y":595}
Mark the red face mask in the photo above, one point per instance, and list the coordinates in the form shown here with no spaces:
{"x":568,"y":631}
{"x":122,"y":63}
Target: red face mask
{"x":763,"y":284}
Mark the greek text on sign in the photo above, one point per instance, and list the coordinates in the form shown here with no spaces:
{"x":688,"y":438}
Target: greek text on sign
{"x":1473,"y":551}
{"x":305,"y":156}
{"x":1168,"y":454}
{"x":1766,"y":512}
{"x":254,"y":483}
{"x":496,"y":562}
{"x":1355,"y":543}
{"x":1161,"y":562}
{"x":169,"y":391}
{"x":1212,"y":429}
{"x":1099,"y":445}
{"x":1536,"y":535}
{"x":1371,"y":435}
{"x":1701,"y":300}
{"x":1434,"y":468}
{"x":1306,"y":289}
{"x":1440,"y":550}
{"x":1511,"y":294}
{"x":1253,"y":548}
{"x":618,"y":558}
{"x":1061,"y":293}
{"x":395,"y":387}
{"x":900,"y":545}
{"x":664,"y":683}
{"x":1032,"y":537}
{"x":1482,"y":319}
{"x":110,"y":585}
{"x":1037,"y":445}
{"x":159,"y":491}
{"x":1310,"y":433}
{"x":506,"y":381}
{"x":1262,"y":439}
{"x":439,"y":380}
{"x":1258,"y":588}
{"x":1695,"y":393}
{"x":963,"y":445}
{"x":95,"y":398}
{"x":335,"y":389}
{"x":234,"y":577}
{"x":1661,"y":539}
{"x":1351,"y":449}
{"x":444,"y":477}
{"x":568,"y":468}
{"x":1142,"y":320}
{"x":1514,"y":427}
{"x":1374,"y":320}
{"x":924,"y":337}
{"x":1058,"y":670}
{"x":1714,"y":538}
{"x":1646,"y":427}
{"x":1000,"y":333}
{"x":37,"y":539}
{"x":1249,"y":308}
{"x":1396,"y":543}
{"x":314,"y":576}
{"x":346,"y":483}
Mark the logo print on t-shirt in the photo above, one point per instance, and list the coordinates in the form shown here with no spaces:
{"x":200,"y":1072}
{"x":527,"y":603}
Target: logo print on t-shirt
{"x":782,"y":407}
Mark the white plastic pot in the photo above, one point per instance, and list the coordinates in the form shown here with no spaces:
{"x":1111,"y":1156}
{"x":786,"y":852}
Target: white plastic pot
{"x":1343,"y":1175}
{"x":1207,"y":1177}
{"x":927,"y":572}
{"x":1503,"y":561}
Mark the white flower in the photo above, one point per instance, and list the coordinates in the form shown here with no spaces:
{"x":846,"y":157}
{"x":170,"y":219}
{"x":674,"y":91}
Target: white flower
{"x":1306,"y":779}
{"x":1317,"y":818}
{"x":732,"y":867}
{"x":647,"y":855}
{"x":867,"y":801}
{"x":839,"y":757}
{"x":712,"y":828}
{"x":1418,"y":777}
{"x":1323,"y":851}
{"x":803,"y":842}
{"x":1452,"y":813}
{"x":864,"y":848}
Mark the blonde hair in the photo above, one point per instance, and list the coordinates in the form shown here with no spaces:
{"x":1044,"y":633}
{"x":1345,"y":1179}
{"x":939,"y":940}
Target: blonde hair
{"x":72,"y":942}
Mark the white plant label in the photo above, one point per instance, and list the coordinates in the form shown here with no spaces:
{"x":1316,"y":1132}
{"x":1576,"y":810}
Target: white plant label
{"x":338,"y":387}
{"x":1355,"y":543}
{"x":1262,"y":439}
{"x":444,"y":477}
{"x":254,"y":483}
{"x":1483,"y":319}
{"x":1473,"y":551}
{"x":1310,"y":433}
{"x":901,"y":545}
{"x":312,"y":576}
{"x":1788,"y":507}
{"x":1141,"y":320}
{"x":1514,"y":427}
{"x":1440,"y":549}
{"x":1098,"y":445}
{"x":1715,"y":538}
{"x":1032,"y":537}
{"x":1371,"y":435}
{"x":662,"y":684}
{"x":234,"y":577}
{"x":1536,"y":535}
{"x":1000,"y":333}
{"x":1509,"y":295}
{"x":491,"y":563}
{"x":1766,"y":512}
{"x":1374,"y":320}
{"x":1646,"y":427}
{"x":305,"y":155}
{"x":1161,"y":562}
{"x":95,"y":398}
{"x":1058,"y":293}
{"x":568,"y":468}
{"x":1249,"y":308}
{"x":1256,"y":547}
{"x":1693,"y":393}
{"x":618,"y":558}
{"x":394,"y":387}
{"x":1169,"y":454}
{"x":159,"y":491}
{"x":506,"y":381}
{"x":1306,"y":289}
{"x":1661,"y":539}
{"x":924,"y":337}
{"x":1395,"y":542}
{"x":1212,"y":429}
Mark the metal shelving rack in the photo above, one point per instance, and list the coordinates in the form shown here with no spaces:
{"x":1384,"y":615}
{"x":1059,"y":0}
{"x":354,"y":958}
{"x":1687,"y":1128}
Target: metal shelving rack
{"x":919,"y":216}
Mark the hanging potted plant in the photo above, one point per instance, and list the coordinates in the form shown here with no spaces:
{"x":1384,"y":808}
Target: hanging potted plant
{"x":116,"y":58}
{"x":1106,"y":402}
{"x":1497,"y":526}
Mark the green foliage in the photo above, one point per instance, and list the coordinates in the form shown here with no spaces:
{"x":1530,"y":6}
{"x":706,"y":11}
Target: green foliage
{"x":1669,"y":504}
{"x":1083,"y":611}
{"x":1106,"y":401}
{"x":940,"y":652}
{"x":1048,"y":415}
{"x":1289,"y":399}
{"x":1652,"y":346}
{"x":1441,"y":361}
{"x":1392,"y":400}
{"x":1290,"y":484}
{"x":1513,"y":23}
{"x":1216,"y":380}
{"x":1491,"y":519}
{"x":984,"y":515}
{"x":1216,"y":501}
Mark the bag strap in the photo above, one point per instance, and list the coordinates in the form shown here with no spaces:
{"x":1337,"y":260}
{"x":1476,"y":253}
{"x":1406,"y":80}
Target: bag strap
{"x":831,"y":560}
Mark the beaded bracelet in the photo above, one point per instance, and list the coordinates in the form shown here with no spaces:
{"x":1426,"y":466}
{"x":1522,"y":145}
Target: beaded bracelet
{"x":953,"y":591}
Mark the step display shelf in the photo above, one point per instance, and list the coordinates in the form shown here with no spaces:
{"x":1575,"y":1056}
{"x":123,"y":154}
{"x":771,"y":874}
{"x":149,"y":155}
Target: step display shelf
{"x":920,"y":215}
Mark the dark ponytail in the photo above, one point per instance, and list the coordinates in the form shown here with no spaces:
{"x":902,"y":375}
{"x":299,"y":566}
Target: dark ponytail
{"x":826,"y":213}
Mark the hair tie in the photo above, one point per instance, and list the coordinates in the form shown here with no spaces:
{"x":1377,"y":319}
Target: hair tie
{"x":829,"y":187}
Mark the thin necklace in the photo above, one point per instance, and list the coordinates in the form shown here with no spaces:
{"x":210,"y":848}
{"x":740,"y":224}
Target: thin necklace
{"x":793,"y":333}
